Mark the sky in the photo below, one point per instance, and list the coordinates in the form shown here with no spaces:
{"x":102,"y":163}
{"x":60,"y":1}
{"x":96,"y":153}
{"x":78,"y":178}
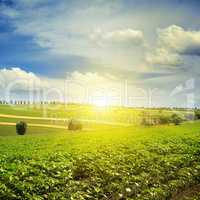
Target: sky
{"x":124,"y":52}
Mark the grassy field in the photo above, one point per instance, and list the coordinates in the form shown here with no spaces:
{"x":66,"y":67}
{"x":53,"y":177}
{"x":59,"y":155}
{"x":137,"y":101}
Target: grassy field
{"x":101,"y":162}
{"x":111,"y":114}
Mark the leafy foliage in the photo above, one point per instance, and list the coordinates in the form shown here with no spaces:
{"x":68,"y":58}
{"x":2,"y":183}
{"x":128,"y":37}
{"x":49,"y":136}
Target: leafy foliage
{"x":128,"y":163}
{"x":103,"y":162}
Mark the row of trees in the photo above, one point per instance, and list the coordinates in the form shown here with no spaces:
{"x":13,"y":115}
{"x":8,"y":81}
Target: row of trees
{"x":22,"y":102}
{"x":161,"y":119}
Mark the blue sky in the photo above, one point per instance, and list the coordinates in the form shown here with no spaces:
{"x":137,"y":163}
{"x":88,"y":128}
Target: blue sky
{"x":149,"y":43}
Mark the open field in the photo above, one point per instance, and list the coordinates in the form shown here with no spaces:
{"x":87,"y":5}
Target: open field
{"x":86,"y":112}
{"x":100,"y":162}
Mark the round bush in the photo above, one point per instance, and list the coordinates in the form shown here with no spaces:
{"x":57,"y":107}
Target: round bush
{"x":74,"y":125}
{"x":176,"y":119}
{"x":164,"y":119}
{"x":21,"y":128}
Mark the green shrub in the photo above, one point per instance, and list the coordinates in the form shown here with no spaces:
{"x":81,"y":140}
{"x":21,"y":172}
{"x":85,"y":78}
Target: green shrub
{"x":147,"y":121}
{"x":155,"y":120}
{"x":21,"y":128}
{"x":163,"y":119}
{"x":197,"y":114}
{"x":176,"y":119}
{"x":74,"y":125}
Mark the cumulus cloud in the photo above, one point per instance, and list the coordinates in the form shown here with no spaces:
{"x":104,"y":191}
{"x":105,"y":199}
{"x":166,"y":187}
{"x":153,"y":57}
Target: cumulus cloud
{"x":176,"y":39}
{"x":79,"y":87}
{"x":122,"y":37}
{"x":163,"y":57}
{"x":173,"y":43}
{"x":87,"y":87}
{"x":19,"y":80}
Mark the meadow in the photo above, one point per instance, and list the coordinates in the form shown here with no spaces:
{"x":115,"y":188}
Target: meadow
{"x":120,"y":160}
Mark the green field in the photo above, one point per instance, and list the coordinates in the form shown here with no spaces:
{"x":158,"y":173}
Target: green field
{"x":101,"y":162}
{"x":111,"y":114}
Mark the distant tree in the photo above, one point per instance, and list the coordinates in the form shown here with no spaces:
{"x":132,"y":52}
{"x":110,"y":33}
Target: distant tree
{"x":146,"y":122}
{"x":162,"y":119}
{"x":21,"y":128}
{"x":176,"y":119}
{"x":74,"y":125}
{"x":197,"y":114}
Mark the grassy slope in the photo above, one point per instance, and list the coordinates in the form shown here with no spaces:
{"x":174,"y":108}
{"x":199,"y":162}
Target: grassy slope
{"x":136,"y":162}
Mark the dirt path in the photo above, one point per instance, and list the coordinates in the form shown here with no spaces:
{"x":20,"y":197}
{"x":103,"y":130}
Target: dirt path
{"x":64,"y":119}
{"x":33,"y":125}
{"x":187,"y":193}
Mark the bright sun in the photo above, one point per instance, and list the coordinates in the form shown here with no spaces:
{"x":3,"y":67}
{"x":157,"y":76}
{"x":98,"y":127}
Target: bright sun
{"x":100,"y":102}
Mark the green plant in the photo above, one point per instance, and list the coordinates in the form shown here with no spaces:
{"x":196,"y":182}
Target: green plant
{"x":176,"y":119}
{"x":21,"y":128}
{"x":109,"y":162}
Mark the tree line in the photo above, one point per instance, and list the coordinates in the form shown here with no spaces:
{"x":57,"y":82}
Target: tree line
{"x":23,"y":102}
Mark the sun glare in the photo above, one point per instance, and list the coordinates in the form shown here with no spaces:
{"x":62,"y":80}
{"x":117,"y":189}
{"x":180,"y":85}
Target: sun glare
{"x":100,"y":102}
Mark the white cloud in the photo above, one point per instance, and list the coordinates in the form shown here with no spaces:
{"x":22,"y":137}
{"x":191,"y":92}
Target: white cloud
{"x":162,"y":57}
{"x":9,"y":12}
{"x":123,"y":37}
{"x":67,"y":29}
{"x":17,"y":79}
{"x":91,"y":87}
{"x":173,"y":43}
{"x":78,"y":87}
{"x":83,"y":88}
{"x":91,"y":78}
{"x":176,"y":39}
